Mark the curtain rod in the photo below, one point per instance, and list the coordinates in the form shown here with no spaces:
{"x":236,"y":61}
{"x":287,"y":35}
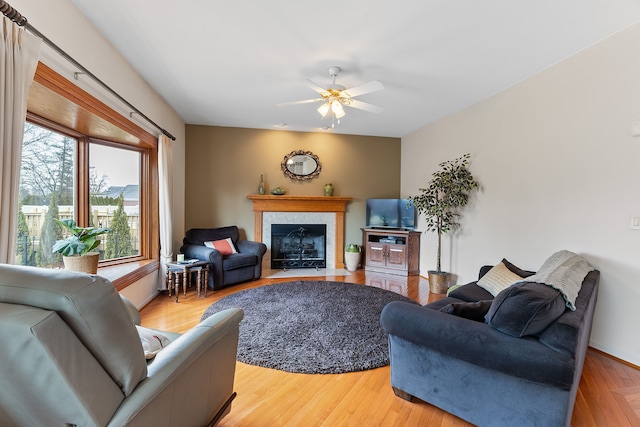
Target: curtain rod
{"x":21,"y":20}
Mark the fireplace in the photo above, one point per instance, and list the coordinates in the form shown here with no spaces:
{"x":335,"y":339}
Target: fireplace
{"x":298,"y":246}
{"x":330,"y":211}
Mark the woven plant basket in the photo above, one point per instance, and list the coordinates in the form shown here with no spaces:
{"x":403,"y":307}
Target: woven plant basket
{"x":438,"y":282}
{"x":84,"y":264}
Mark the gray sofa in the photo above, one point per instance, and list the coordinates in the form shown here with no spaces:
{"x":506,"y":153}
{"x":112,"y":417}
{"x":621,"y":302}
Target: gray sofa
{"x":71,"y":355}
{"x":225,"y":270}
{"x":446,"y":354}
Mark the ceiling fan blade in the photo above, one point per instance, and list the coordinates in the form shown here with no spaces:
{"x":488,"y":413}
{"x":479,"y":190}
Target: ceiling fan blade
{"x":364,"y":106}
{"x":372,"y":86}
{"x":315,"y":87}
{"x":306,"y":101}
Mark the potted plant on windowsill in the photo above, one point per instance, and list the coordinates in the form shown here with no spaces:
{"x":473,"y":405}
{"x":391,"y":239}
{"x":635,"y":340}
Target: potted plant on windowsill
{"x":76,"y":249}
{"x":440,"y":203}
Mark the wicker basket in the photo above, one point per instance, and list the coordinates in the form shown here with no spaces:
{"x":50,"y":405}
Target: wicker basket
{"x":438,"y":282}
{"x":84,"y":264}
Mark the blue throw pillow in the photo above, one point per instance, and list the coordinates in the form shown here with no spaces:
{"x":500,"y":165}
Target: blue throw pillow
{"x":469,"y":310}
{"x":525,"y":309}
{"x":470,"y":292}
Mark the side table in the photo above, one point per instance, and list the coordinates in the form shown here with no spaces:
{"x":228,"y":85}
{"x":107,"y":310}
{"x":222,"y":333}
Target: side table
{"x":183,"y":270}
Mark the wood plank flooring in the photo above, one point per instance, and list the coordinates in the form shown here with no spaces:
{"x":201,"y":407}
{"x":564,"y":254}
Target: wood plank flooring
{"x":609,"y":393}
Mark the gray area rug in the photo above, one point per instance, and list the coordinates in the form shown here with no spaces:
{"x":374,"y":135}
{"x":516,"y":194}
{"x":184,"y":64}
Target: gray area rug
{"x":313,"y":327}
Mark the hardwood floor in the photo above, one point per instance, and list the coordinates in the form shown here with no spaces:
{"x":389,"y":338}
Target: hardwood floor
{"x":609,"y":393}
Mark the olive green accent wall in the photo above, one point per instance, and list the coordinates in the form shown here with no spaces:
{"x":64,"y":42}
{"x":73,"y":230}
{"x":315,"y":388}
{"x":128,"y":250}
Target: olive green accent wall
{"x":223,"y":166}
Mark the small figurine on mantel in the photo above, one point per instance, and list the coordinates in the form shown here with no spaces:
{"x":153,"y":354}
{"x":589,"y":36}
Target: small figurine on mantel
{"x":261,"y":189}
{"x":328,"y":189}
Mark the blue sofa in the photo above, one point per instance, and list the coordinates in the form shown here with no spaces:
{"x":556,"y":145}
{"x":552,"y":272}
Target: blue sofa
{"x":446,"y":354}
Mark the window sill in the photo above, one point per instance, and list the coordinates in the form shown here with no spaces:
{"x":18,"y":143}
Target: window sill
{"x":123,"y":275}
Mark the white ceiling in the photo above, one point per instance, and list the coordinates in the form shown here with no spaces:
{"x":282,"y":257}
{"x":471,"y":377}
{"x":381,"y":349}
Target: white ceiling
{"x":228,"y":63}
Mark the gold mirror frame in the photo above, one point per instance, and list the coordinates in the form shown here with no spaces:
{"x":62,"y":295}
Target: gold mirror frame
{"x":301,"y":165}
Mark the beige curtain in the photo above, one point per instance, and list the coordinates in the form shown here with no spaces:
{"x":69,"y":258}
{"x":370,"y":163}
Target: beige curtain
{"x":165,"y":176}
{"x":19,"y":53}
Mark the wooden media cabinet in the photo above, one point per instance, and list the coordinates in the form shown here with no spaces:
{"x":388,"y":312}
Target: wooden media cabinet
{"x":391,"y":251}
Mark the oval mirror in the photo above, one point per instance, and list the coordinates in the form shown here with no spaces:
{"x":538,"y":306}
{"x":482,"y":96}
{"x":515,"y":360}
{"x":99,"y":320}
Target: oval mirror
{"x":302,"y":165}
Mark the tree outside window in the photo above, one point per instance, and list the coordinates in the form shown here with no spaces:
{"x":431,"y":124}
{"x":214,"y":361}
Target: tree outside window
{"x":46,"y":183}
{"x":119,"y":241}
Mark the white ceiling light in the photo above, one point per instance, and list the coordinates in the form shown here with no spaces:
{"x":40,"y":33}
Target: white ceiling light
{"x":336,"y":108}
{"x":323,"y":109}
{"x":334,"y":97}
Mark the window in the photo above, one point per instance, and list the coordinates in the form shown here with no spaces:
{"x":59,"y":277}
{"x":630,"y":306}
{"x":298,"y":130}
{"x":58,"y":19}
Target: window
{"x":83,"y":160}
{"x":46,"y":192}
{"x":114,"y":190}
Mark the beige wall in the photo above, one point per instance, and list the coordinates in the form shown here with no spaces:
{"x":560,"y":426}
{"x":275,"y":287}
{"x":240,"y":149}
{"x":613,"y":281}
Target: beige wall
{"x":559,"y":170}
{"x":224,"y":166}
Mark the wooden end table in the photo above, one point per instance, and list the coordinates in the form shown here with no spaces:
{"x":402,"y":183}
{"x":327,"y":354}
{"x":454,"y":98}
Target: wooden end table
{"x":178,"y":270}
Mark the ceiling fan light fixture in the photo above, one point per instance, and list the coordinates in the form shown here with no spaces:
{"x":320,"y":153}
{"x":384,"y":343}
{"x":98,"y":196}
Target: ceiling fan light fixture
{"x":336,"y":108}
{"x":324,"y":109}
{"x":334,"y":97}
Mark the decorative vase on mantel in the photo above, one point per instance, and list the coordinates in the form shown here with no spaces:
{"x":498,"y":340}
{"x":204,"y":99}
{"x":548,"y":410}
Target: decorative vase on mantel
{"x":261,"y":189}
{"x":328,"y":189}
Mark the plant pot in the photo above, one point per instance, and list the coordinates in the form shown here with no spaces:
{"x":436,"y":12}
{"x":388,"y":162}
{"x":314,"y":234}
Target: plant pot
{"x":351,"y":260}
{"x":438,"y":282}
{"x":83,"y":264}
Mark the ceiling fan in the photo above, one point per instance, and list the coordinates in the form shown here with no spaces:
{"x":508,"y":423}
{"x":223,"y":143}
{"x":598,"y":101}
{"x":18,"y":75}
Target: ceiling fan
{"x":334,"y":97}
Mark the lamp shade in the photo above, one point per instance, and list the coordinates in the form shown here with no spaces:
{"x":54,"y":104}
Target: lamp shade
{"x":324,"y":109}
{"x":337,"y":109}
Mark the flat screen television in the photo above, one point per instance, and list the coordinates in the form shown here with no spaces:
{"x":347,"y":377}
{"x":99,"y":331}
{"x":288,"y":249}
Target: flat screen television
{"x":391,"y":213}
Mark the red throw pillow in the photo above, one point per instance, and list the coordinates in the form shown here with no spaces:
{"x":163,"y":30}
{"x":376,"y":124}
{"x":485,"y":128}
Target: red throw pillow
{"x":225,"y":246}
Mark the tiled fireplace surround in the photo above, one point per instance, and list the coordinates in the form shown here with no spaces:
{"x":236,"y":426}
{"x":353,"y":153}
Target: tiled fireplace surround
{"x":327,"y":210}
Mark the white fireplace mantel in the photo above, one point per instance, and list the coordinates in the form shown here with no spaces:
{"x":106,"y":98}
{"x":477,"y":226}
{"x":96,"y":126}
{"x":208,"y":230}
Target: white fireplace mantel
{"x":318,"y":206}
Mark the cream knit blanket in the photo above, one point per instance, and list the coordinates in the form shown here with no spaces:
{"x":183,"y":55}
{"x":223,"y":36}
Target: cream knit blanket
{"x":565,"y":272}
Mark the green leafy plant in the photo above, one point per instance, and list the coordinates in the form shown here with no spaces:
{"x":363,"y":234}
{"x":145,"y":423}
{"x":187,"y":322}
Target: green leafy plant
{"x":81,"y":241}
{"x":445,"y":194}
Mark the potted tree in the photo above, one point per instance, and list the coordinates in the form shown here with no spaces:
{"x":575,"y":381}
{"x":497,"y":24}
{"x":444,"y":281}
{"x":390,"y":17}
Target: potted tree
{"x":440,"y":203}
{"x":76,"y":248}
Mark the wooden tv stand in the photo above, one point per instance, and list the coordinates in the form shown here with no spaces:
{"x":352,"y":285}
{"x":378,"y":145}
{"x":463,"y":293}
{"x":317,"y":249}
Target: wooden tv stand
{"x":392,"y":251}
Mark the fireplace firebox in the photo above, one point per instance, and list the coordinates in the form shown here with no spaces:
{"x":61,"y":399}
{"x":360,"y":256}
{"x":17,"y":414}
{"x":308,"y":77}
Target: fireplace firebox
{"x":298,"y":246}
